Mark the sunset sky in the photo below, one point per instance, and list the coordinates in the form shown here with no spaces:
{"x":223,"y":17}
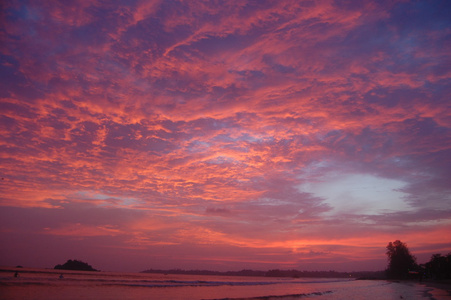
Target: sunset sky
{"x":224,"y":135}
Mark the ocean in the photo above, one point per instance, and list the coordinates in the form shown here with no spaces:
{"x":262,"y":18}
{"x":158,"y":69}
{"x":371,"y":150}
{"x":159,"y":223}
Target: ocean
{"x":46,"y":284}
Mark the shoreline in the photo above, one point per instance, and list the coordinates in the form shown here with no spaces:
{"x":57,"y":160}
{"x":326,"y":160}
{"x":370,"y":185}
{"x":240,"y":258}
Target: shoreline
{"x":433,"y":289}
{"x":122,"y":285}
{"x":439,"y":289}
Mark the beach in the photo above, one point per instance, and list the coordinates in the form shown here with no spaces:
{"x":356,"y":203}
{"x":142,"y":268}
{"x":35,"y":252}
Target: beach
{"x":440,"y":289}
{"x":57,"y":284}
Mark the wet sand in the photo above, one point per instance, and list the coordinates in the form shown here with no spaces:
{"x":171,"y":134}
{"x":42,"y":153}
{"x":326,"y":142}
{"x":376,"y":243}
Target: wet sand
{"x":438,"y":289}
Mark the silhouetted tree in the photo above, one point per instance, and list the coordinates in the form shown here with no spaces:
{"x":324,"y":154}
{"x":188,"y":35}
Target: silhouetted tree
{"x":75,"y":265}
{"x":439,"y":267}
{"x":400,"y":261}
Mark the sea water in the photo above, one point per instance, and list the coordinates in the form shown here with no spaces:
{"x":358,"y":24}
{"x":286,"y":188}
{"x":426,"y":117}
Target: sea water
{"x":49,"y":284}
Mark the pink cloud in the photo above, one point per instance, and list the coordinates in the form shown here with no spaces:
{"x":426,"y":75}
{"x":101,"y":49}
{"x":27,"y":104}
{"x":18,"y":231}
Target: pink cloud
{"x":203,"y":122}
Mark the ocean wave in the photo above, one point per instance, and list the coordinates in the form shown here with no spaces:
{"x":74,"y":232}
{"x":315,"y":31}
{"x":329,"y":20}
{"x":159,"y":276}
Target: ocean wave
{"x":274,"y":297}
{"x":197,"y":283}
{"x":142,"y":282}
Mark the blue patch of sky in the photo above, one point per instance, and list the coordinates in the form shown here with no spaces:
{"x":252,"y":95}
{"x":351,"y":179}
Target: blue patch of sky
{"x":219,"y":160}
{"x":24,"y":12}
{"x":196,"y":146}
{"x":87,"y":195}
{"x":427,"y":15}
{"x":359,"y":193}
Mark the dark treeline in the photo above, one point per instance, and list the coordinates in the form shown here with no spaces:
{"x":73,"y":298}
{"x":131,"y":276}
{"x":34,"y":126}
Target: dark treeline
{"x":403,"y":265}
{"x":274,"y":273}
{"x":207,"y":272}
{"x":439,"y":267}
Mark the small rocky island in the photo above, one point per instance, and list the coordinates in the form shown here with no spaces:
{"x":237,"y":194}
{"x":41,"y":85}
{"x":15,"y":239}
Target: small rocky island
{"x":75,"y":265}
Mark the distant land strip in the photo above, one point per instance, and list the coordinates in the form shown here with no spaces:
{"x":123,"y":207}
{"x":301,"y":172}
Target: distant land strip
{"x":277,"y":273}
